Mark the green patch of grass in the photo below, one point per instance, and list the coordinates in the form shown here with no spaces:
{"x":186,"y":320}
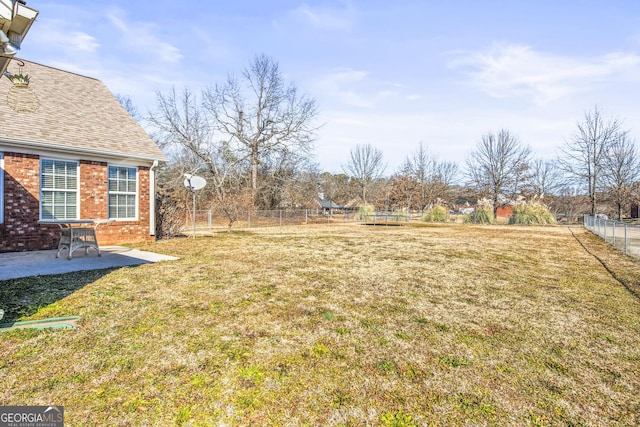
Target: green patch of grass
{"x":401,"y":335}
{"x":320,"y":350}
{"x":183,"y":414}
{"x":328,"y":315}
{"x":397,"y":419}
{"x":386,"y":366}
{"x":453,"y":361}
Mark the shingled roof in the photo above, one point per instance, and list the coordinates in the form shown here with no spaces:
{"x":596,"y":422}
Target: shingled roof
{"x":63,"y":111}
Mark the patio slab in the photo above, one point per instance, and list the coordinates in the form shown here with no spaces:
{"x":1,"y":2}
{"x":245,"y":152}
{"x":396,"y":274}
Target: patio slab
{"x":14,"y":265}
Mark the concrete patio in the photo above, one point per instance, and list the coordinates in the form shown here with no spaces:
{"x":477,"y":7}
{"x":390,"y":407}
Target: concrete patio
{"x":14,"y":265}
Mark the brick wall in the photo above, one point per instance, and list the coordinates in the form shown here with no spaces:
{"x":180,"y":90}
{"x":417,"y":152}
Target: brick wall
{"x":21,"y":231}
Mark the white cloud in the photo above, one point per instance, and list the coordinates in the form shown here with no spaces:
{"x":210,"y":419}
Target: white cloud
{"x":326,"y":18}
{"x":355,"y":88}
{"x":53,"y":33}
{"x":142,"y":37}
{"x":511,"y":71}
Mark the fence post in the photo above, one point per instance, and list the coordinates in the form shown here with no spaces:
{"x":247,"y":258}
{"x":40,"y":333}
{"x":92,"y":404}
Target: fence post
{"x":280,"y":217}
{"x":249,"y":221}
{"x":306,"y":216}
{"x":614,"y":233}
{"x":625,"y":239}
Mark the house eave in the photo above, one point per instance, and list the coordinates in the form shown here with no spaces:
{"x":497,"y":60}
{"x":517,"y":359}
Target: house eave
{"x":37,"y":147}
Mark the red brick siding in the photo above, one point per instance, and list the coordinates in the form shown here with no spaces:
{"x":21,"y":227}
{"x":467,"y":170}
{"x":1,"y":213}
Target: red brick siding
{"x":21,"y":231}
{"x":124,"y":231}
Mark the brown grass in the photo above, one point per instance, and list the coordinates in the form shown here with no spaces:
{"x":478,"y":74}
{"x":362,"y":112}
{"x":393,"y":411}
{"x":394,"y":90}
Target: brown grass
{"x":344,"y":325}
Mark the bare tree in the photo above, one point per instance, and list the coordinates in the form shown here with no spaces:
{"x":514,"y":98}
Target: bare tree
{"x":621,"y":172}
{"x":444,"y":176}
{"x":365,"y":166}
{"x":285,"y":178}
{"x":423,"y":180}
{"x":181,"y":127}
{"x":584,"y":157}
{"x":546,"y":178}
{"x":261,"y":114}
{"x":568,"y":203}
{"x":497,"y":169}
{"x":128,"y":105}
{"x":404,"y":188}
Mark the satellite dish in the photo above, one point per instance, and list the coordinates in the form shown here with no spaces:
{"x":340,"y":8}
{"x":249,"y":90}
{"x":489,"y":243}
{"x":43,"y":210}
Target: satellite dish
{"x":193,"y":182}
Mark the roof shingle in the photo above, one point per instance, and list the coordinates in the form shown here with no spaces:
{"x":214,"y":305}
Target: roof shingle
{"x":71,"y":112}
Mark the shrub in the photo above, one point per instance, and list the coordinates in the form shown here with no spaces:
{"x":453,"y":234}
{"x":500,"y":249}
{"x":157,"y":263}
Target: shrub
{"x":438,"y":213}
{"x":169,"y":216}
{"x":365,"y":211}
{"x":483,"y":213}
{"x":532,"y":212}
{"x":401,"y":214}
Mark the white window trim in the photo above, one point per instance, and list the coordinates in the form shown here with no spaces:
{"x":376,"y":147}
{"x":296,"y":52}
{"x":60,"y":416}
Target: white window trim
{"x":137,"y":195}
{"x":77,"y":187}
{"x":1,"y":188}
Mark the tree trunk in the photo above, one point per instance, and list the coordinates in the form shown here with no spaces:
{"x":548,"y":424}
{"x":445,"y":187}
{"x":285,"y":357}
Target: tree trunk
{"x":254,"y":174}
{"x":619,"y":211}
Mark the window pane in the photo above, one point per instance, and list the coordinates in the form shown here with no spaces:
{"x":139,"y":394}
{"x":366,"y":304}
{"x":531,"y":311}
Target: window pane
{"x":59,"y":212}
{"x":47,"y":167}
{"x":58,"y":198}
{"x":122,"y":192}
{"x":47,"y":181}
{"x":46,"y":213}
{"x":72,"y":182}
{"x":59,"y":182}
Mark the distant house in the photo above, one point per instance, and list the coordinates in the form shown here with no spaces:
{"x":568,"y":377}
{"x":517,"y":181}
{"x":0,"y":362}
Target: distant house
{"x":70,"y":151}
{"x":329,"y":206}
{"x":504,"y":211}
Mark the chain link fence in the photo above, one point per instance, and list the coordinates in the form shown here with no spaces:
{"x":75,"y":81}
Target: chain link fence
{"x":623,"y":236}
{"x":206,"y":220}
{"x":202,"y":220}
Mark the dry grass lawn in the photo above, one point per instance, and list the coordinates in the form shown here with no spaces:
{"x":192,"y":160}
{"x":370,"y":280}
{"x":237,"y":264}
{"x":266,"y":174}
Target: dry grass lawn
{"x":341,"y":325}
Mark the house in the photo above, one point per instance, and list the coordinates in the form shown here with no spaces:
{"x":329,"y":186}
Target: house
{"x":70,"y":151}
{"x":504,"y":211}
{"x":328,"y":206}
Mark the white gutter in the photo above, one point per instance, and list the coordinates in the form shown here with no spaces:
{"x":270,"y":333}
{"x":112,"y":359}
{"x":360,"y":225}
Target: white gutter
{"x":59,"y":148}
{"x":152,"y":198}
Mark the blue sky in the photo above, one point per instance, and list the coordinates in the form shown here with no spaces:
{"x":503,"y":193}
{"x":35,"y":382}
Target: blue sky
{"x":388,"y":73}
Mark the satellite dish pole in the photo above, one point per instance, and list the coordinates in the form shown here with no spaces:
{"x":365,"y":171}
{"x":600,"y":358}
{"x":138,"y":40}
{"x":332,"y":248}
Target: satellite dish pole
{"x":194,"y":183}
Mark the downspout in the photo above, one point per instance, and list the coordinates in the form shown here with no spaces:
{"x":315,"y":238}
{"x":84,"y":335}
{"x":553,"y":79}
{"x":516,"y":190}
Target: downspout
{"x":152,"y":198}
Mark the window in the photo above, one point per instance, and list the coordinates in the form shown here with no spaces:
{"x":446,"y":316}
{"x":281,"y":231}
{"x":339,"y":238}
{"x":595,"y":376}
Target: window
{"x":1,"y":188}
{"x":123,"y":192}
{"x":58,"y":189}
